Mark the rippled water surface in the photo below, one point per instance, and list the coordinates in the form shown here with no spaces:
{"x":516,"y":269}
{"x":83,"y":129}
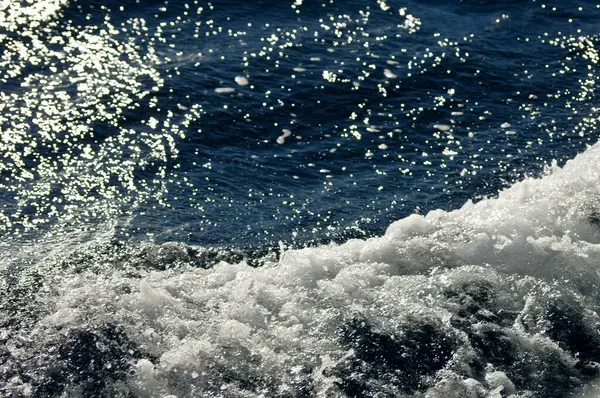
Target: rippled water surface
{"x":225,"y":123}
{"x":268,"y":198}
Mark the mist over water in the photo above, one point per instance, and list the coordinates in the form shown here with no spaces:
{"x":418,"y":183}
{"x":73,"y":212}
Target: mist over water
{"x":299,"y":199}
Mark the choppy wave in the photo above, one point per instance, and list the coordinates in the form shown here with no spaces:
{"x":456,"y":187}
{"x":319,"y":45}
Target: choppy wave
{"x":497,"y":298}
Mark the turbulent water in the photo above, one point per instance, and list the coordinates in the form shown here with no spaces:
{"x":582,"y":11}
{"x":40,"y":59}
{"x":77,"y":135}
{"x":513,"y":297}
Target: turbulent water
{"x":299,"y":199}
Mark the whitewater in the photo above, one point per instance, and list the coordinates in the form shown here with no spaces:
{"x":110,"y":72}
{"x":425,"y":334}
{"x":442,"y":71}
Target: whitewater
{"x":338,"y":199}
{"x":497,"y":298}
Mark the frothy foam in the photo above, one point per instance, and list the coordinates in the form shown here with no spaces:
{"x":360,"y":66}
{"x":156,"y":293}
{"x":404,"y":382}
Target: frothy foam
{"x":497,"y":298}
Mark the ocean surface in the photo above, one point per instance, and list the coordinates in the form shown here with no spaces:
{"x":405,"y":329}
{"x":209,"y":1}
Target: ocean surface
{"x":299,"y":198}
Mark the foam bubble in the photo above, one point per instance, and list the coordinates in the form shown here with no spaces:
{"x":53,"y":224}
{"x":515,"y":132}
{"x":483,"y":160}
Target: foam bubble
{"x":389,"y":74}
{"x":241,"y":80}
{"x":442,"y":127}
{"x":224,"y":90}
{"x":496,"y":298}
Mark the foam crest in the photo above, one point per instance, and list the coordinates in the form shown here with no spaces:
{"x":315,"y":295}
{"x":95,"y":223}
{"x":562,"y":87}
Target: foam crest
{"x":545,"y":227}
{"x":498,"y":298}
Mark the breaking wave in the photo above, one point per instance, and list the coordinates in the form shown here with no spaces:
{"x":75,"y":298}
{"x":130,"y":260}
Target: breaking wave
{"x":102,"y":141}
{"x":497,"y":298}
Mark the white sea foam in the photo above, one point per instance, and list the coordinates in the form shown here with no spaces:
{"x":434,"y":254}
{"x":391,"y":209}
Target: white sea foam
{"x":224,"y":90}
{"x":497,"y":298}
{"x":241,"y":80}
{"x":442,"y":127}
{"x":389,"y":74}
{"x":454,"y":304}
{"x":281,"y":139}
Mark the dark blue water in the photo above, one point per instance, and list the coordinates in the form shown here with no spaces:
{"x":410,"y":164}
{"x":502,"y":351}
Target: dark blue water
{"x":364,"y":149}
{"x":158,"y":158}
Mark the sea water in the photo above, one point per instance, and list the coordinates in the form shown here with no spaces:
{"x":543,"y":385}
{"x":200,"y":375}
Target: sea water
{"x":299,"y":199}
